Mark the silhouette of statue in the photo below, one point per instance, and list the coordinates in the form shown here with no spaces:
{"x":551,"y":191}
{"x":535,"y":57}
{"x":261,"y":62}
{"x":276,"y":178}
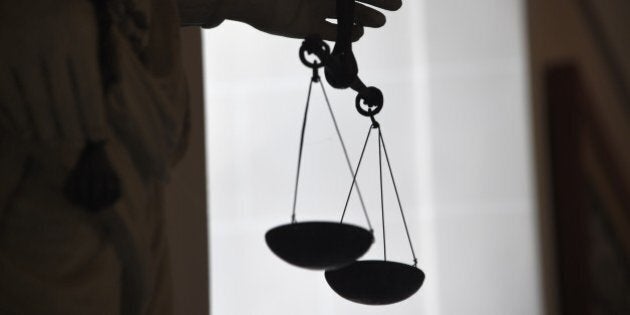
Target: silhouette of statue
{"x":93,"y":114}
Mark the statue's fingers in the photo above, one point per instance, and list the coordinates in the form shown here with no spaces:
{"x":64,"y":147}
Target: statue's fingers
{"x":391,"y":5}
{"x":328,"y":31}
{"x":357,"y":32}
{"x":364,"y":16}
{"x":369,"y":17}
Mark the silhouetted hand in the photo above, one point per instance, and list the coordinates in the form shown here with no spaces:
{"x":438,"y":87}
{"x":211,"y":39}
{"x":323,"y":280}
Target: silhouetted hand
{"x":291,"y":18}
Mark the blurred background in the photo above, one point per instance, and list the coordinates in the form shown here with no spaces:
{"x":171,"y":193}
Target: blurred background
{"x":507,"y":125}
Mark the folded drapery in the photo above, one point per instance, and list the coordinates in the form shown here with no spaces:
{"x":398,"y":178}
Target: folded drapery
{"x":55,"y":257}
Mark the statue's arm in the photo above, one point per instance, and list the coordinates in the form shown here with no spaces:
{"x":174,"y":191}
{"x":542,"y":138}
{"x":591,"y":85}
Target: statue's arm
{"x":291,"y":18}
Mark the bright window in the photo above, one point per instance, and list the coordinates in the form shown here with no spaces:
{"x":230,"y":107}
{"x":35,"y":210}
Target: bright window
{"x":456,"y":122}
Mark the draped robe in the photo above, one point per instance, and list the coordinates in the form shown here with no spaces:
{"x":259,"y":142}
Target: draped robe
{"x":56,"y":257}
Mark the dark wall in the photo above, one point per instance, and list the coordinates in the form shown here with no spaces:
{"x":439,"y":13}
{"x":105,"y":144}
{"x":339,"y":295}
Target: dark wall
{"x":580,"y":81}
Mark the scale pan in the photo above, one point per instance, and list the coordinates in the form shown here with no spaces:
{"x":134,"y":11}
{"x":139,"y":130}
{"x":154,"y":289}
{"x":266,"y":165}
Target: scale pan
{"x":375,"y":282}
{"x":319,"y":245}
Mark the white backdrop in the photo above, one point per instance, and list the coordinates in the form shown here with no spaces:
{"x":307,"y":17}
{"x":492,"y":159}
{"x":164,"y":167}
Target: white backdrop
{"x":456,"y":123}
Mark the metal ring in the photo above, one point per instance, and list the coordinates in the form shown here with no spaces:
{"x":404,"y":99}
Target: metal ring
{"x":314,"y":45}
{"x":372,"y":97}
